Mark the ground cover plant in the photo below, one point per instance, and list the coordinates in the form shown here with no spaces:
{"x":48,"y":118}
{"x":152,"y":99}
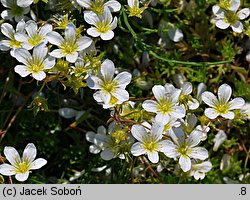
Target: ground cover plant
{"x":106,"y":91}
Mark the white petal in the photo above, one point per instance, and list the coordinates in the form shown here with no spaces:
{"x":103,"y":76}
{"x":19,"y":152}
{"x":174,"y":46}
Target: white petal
{"x":235,"y":4}
{"x":193,"y":139}
{"x":113,"y":25}
{"x":31,"y":28}
{"x":193,"y":104}
{"x":222,"y":24}
{"x":107,"y":16}
{"x":198,"y":153}
{"x":21,"y":37}
{"x":38,"y":163}
{"x":156,"y":131}
{"x":162,"y":118}
{"x":24,"y":3}
{"x":236,"y":103}
{"x":175,"y":34}
{"x":137,"y":149}
{"x":49,"y":62}
{"x":175,"y":94}
{"x":211,"y":113}
{"x":84,"y":3}
{"x":138,"y":132}
{"x":185,"y":163}
{"x":39,"y":75}
{"x":72,"y":57}
{"x":237,"y":27}
{"x":123,"y":79}
{"x":159,"y":92}
{"x":153,"y":156}
{"x":22,"y":55}
{"x":94,"y":149}
{"x":45,"y":29}
{"x":209,"y":98}
{"x":70,"y":32}
{"x":22,"y":70}
{"x":187,"y":88}
{"x":150,"y":106}
{"x":113,"y":5}
{"x":94,"y":82}
{"x":93,"y":32}
{"x":83,"y":43}
{"x":55,"y":38}
{"x":244,"y":13}
{"x":7,"y":30}
{"x":228,"y":115}
{"x":57,"y":53}
{"x":170,"y":150}
{"x":107,"y":69}
{"x":107,"y":154}
{"x":179,"y":112}
{"x":220,"y":137}
{"x":121,"y":94}
{"x":224,"y":92}
{"x":22,"y":177}
{"x":7,"y":170}
{"x":29,"y":153}
{"x":67,"y":113}
{"x":12,"y":155}
{"x":91,"y":18}
{"x":107,"y":36}
{"x":40,"y":51}
{"x":6,"y":14}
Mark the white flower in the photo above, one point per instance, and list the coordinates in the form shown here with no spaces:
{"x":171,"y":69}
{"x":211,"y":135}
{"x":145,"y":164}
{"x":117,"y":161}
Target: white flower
{"x":103,"y":142}
{"x":70,"y":46}
{"x":103,"y":24}
{"x":246,"y":110}
{"x":111,"y":90}
{"x":20,"y":167}
{"x":221,"y":106}
{"x":225,"y":18}
{"x":186,"y":98}
{"x":24,"y":3}
{"x":97,"y":6}
{"x":149,"y":143}
{"x":14,"y":10}
{"x":9,"y":32}
{"x":34,"y":64}
{"x":70,"y":113}
{"x":198,"y":170}
{"x":220,"y":137}
{"x":34,"y":35}
{"x":165,"y":104}
{"x":175,"y":33}
{"x":185,"y":148}
{"x":133,"y":8}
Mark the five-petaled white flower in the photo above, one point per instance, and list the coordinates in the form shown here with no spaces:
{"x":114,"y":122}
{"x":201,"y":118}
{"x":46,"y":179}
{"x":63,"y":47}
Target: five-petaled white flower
{"x":11,"y":43}
{"x":185,"y":148}
{"x":198,"y":170}
{"x":227,"y":15}
{"x":97,"y":6}
{"x":70,"y":46}
{"x":20,"y":167}
{"x":34,"y":64}
{"x":133,"y":8}
{"x":111,"y":90}
{"x":13,"y":10}
{"x":34,"y":34}
{"x":103,"y":24}
{"x":221,"y":106}
{"x":165,"y":104}
{"x":149,"y":143}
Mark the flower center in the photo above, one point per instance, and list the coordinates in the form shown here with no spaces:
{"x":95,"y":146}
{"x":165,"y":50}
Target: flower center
{"x":231,"y":17}
{"x":97,"y":7}
{"x":183,"y":150}
{"x":225,"y":4}
{"x":150,"y":145}
{"x":35,"y":39}
{"x":102,"y":27}
{"x":22,"y":167}
{"x":69,"y":47}
{"x":35,"y":65}
{"x":16,"y":10}
{"x":16,"y":44}
{"x":164,"y":107}
{"x":109,"y":86}
{"x":222,"y":108}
